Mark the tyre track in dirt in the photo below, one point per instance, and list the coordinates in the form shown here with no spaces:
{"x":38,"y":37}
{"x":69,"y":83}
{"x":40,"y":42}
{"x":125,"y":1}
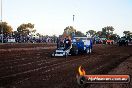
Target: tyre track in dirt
{"x":61,"y":59}
{"x":59,"y":68}
{"x":40,"y":63}
{"x":23,"y":57}
{"x":45,"y":68}
{"x":70,"y":80}
{"x":48,"y":79}
{"x":37,"y":63}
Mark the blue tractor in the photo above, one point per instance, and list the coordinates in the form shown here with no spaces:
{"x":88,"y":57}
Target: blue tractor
{"x":78,"y":45}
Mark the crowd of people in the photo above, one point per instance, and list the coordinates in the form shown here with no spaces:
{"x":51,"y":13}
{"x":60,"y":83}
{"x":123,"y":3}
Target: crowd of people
{"x":27,"y":39}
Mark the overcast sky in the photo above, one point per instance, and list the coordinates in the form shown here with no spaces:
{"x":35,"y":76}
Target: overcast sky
{"x":52,"y":16}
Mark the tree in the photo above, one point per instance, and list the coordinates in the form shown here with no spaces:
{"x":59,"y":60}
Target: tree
{"x":7,"y":29}
{"x":25,"y":29}
{"x":99,"y":33}
{"x":104,"y":32}
{"x":79,"y":33}
{"x":16,"y":33}
{"x":126,"y":33}
{"x":107,"y":31}
{"x":33,"y":31}
{"x":68,"y":31}
{"x":38,"y":34}
{"x":114,"y":37}
{"x":91,"y":32}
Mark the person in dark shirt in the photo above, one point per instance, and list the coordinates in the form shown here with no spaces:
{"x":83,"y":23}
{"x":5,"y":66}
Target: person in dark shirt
{"x":58,"y":42}
{"x":67,"y":42}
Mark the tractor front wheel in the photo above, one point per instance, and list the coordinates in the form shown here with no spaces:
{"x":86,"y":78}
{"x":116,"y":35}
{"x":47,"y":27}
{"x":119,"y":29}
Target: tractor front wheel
{"x":66,"y":54}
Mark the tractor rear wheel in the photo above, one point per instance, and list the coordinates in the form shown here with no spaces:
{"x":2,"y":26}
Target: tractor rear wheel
{"x":74,"y":50}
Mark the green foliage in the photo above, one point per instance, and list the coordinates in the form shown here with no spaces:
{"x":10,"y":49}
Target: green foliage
{"x":16,"y":33}
{"x":25,"y":29}
{"x":109,"y":29}
{"x":98,"y":33}
{"x":68,"y":31}
{"x":79,"y":33}
{"x":113,"y":36}
{"x":38,"y":34}
{"x":107,"y":32}
{"x":7,"y":29}
{"x":126,"y":33}
{"x":91,"y":32}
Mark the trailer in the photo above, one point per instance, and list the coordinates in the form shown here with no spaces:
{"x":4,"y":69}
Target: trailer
{"x":78,"y":45}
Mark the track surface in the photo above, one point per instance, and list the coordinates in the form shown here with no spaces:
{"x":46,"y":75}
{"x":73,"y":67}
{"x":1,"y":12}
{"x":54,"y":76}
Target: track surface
{"x":31,"y":66}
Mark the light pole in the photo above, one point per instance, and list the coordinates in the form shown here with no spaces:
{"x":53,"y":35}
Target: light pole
{"x":1,"y":22}
{"x":73,"y":33}
{"x":73,"y":19}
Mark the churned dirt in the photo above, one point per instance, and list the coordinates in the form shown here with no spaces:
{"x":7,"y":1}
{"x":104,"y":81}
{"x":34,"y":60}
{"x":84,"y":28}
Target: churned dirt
{"x":31,"y":66}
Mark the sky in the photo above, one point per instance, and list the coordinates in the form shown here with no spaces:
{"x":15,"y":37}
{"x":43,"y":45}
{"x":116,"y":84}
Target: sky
{"x":53,"y":16}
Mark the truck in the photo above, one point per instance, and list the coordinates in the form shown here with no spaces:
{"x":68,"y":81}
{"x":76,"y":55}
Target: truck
{"x":78,"y":45}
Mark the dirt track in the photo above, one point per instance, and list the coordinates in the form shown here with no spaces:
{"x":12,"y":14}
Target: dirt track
{"x":32,"y":67}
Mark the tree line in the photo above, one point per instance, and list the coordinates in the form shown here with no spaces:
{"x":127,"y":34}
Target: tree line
{"x":106,"y":32}
{"x":27,"y":29}
{"x":23,"y":29}
{"x":24,"y":33}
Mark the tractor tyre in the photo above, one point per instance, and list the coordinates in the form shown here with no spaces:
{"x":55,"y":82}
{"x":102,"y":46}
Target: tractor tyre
{"x":74,"y":50}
